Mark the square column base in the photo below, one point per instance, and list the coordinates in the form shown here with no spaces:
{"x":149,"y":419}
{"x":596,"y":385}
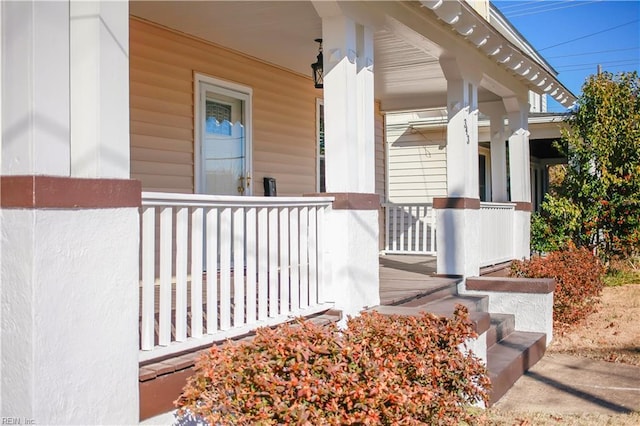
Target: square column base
{"x":352,"y":243}
{"x":458,"y":236}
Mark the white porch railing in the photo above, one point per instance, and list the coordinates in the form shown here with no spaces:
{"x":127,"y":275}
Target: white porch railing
{"x":263,"y":257}
{"x":410,"y":228}
{"x":496,"y":233}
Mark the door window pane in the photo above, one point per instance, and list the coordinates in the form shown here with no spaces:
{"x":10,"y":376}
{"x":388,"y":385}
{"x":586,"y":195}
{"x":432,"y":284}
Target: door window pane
{"x":482,"y":178}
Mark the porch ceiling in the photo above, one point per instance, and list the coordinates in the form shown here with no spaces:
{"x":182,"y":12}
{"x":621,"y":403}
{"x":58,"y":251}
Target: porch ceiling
{"x":283,"y":32}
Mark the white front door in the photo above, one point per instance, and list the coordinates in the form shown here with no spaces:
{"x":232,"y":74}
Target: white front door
{"x":224,"y":140}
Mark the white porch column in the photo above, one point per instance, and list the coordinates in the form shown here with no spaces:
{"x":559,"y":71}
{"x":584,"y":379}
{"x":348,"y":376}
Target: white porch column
{"x":498,"y":158}
{"x":349,"y":156}
{"x":458,"y":214}
{"x":99,"y":89}
{"x":35,"y":88}
{"x":69,"y":265}
{"x":519,"y":171}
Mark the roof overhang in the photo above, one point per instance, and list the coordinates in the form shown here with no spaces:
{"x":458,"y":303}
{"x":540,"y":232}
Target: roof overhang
{"x":410,"y":39}
{"x":515,"y":56}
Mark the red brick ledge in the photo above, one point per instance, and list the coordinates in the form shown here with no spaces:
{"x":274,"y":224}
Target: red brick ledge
{"x":456,"y":203}
{"x":523,"y":206}
{"x":351,"y":200}
{"x":511,"y":285}
{"x":57,"y":192}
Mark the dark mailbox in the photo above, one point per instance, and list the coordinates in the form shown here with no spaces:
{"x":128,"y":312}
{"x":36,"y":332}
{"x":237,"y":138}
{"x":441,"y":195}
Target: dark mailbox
{"x":270,"y":187}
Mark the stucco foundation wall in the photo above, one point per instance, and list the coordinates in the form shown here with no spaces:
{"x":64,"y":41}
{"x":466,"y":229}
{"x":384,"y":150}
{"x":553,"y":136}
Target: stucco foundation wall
{"x":478,"y":346}
{"x":457,"y":241}
{"x":353,"y":254}
{"x":70,"y":315}
{"x":522,"y":234}
{"x":532,"y":311}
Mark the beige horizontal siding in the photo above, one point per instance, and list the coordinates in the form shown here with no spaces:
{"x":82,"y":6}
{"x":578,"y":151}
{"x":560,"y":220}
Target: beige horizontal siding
{"x":162,"y":68}
{"x":417,"y":164}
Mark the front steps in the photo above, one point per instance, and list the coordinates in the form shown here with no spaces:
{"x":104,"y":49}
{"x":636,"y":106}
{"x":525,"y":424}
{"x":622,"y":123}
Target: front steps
{"x":509,"y":353}
{"x":509,"y":358}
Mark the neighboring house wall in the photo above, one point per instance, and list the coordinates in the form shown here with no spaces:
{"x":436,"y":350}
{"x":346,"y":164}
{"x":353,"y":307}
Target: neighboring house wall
{"x":162,"y":64}
{"x":416,"y":149}
{"x":416,"y":160}
{"x":537,"y":102}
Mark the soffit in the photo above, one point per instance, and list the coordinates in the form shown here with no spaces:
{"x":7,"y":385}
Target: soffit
{"x":283,"y":32}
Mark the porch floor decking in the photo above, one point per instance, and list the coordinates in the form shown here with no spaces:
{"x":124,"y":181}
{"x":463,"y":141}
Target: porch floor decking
{"x":406,"y":277}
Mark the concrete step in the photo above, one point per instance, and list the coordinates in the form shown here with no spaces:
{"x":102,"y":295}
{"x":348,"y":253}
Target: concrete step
{"x":431,"y":291}
{"x":446,"y":304}
{"x":501,"y":326}
{"x":508,"y":359}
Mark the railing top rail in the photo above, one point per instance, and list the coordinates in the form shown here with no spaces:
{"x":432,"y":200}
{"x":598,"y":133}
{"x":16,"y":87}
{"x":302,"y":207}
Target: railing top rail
{"x":486,"y":204}
{"x":390,"y":204}
{"x":203,"y":200}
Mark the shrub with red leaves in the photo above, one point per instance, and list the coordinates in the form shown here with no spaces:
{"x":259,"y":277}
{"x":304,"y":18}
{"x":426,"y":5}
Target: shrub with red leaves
{"x":380,"y":370}
{"x":578,"y":274}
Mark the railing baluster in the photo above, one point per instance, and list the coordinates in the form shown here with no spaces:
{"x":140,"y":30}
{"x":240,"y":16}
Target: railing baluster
{"x":401,"y":229}
{"x":263,"y":264}
{"x":410,"y":228}
{"x":394,"y":222}
{"x":197,"y":242}
{"x":496,"y":232}
{"x":148,"y":277}
{"x":313,"y":257}
{"x":294,"y":259}
{"x":304,"y":257}
{"x":225,"y":268}
{"x":166,"y":246}
{"x":409,"y":215}
{"x":273,"y":262}
{"x":284,"y":260}
{"x":424,"y":220}
{"x":273,"y":248}
{"x":322,"y":279}
{"x":387,"y":229}
{"x":238,"y":267}
{"x":212,"y":270}
{"x":182,"y":227}
{"x":251,"y":265}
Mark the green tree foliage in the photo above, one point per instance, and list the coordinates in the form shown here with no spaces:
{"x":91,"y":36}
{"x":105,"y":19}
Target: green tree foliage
{"x":598,"y":202}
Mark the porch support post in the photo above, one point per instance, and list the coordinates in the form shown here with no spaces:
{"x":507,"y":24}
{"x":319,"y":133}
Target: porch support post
{"x":69,"y":248}
{"x":458,"y":215}
{"x":498,"y":157}
{"x":349,"y":157}
{"x":520,"y":174}
{"x":99,"y":89}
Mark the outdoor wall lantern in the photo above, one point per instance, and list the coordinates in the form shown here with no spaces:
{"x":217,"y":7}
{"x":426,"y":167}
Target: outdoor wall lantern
{"x":317,"y":67}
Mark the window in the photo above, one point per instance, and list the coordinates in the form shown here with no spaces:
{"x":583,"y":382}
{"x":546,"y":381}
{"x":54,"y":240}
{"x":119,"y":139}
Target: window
{"x":482,"y":177}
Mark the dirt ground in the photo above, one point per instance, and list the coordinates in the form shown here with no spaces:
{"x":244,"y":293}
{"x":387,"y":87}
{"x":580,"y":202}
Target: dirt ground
{"x":611,"y":334}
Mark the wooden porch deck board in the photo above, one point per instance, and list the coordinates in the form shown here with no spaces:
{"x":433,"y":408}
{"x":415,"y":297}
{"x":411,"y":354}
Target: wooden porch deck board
{"x":405,"y":277}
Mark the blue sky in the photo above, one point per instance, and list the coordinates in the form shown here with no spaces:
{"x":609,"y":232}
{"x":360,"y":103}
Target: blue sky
{"x":547,"y":23}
